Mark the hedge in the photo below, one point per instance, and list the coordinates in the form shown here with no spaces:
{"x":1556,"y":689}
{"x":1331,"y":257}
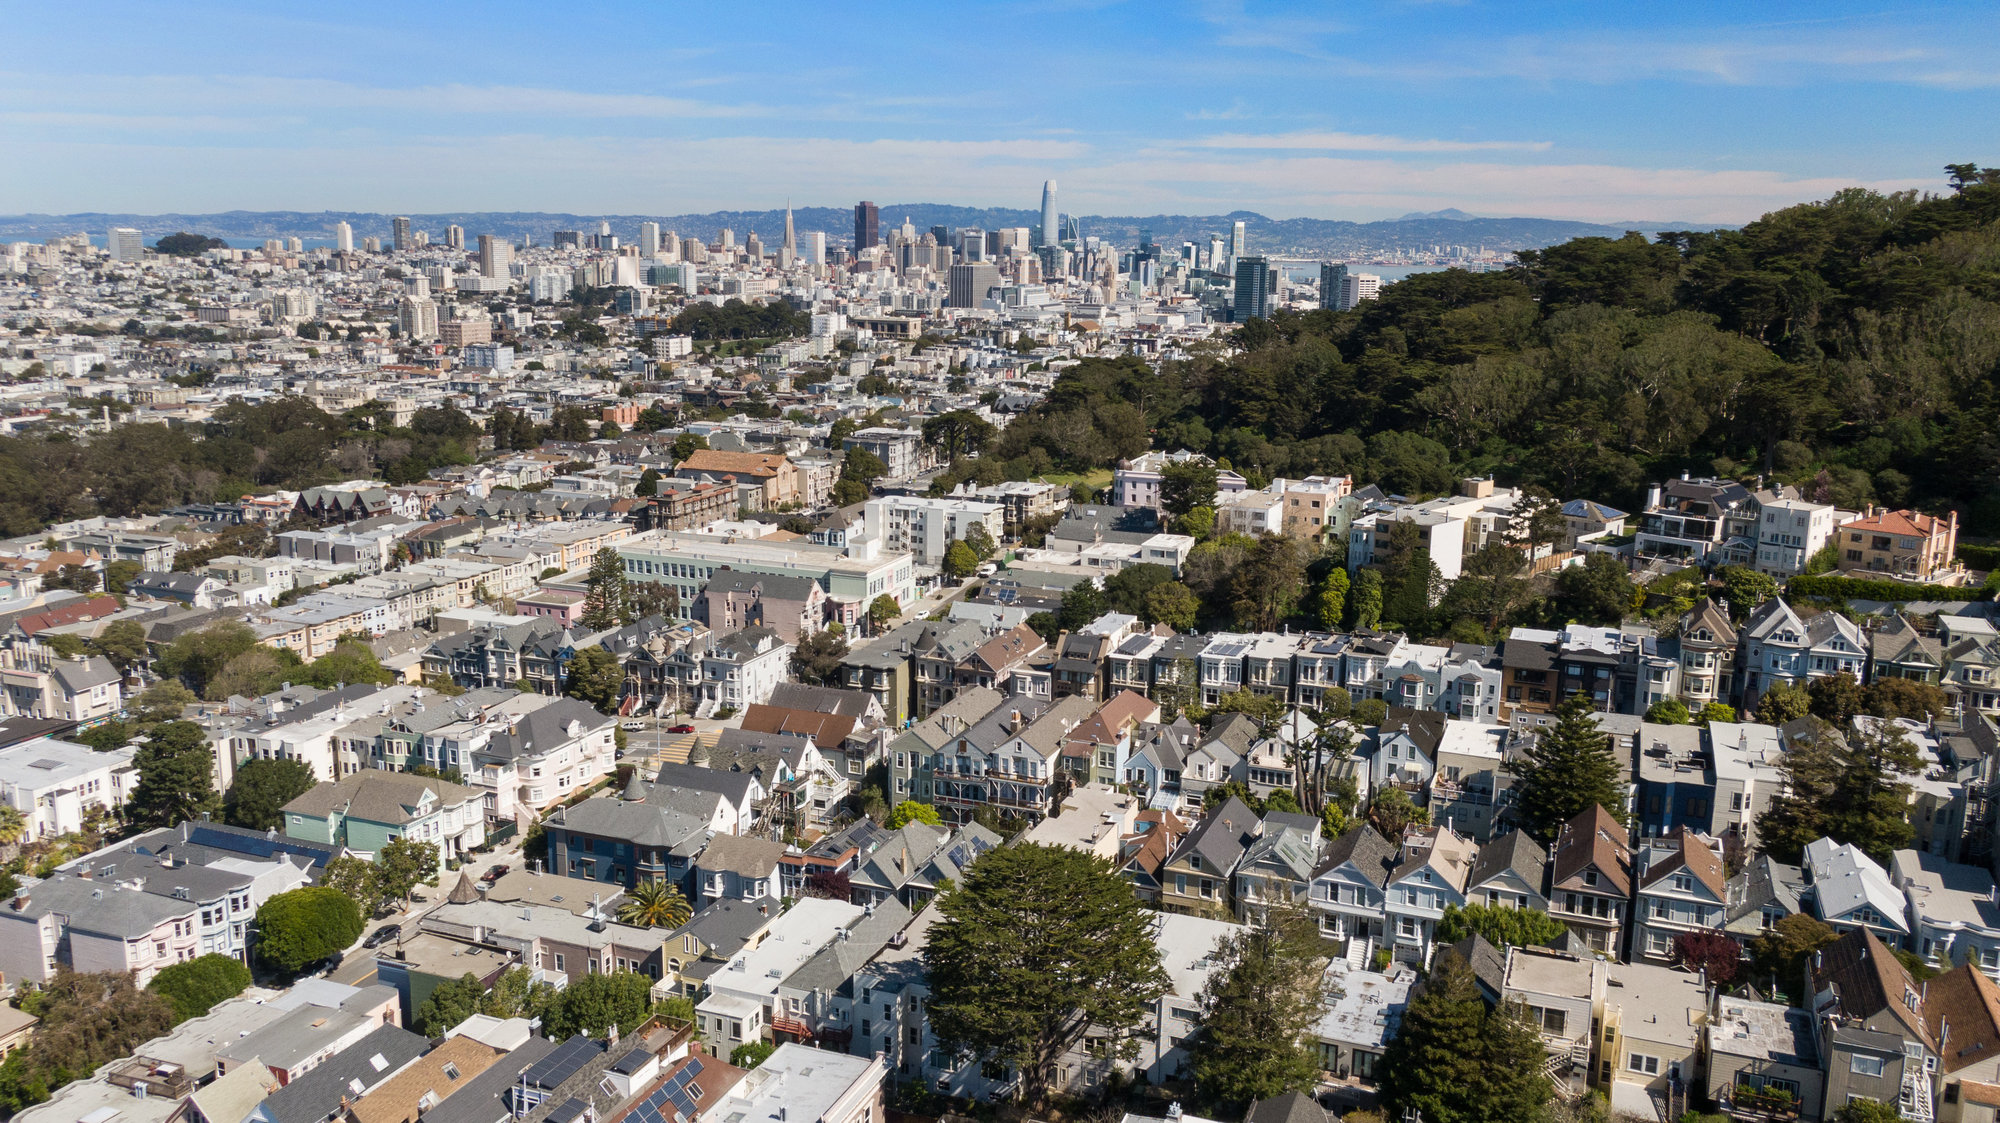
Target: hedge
{"x":1868,"y":588}
{"x":1979,"y":557}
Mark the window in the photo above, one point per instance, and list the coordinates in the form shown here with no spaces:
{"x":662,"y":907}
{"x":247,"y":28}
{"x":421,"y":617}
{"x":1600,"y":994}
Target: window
{"x":1865,"y":1066}
{"x":1643,"y":1064}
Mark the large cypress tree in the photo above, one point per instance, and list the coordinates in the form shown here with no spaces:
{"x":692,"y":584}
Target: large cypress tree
{"x":606,"y":597}
{"x":1259,"y":1013}
{"x":1432,"y":1064}
{"x":1567,"y":770}
{"x":1036,"y":945}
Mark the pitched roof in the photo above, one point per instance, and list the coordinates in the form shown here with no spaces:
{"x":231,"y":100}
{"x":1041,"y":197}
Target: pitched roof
{"x":1288,"y":1107}
{"x":1962,"y":1012}
{"x":1371,"y":853}
{"x":317,"y":1095}
{"x":1912,"y":524}
{"x":376,"y":796}
{"x":1511,"y":851}
{"x":433,"y":1077}
{"x":746,"y":857}
{"x":1594,"y":839}
{"x":1869,"y":980}
{"x":1690,"y":852}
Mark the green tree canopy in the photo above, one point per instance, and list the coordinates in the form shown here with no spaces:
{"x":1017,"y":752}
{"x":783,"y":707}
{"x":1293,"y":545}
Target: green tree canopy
{"x":261,"y":790}
{"x":1260,"y":1011}
{"x":305,"y":926}
{"x":1453,"y":1061}
{"x":1845,"y":786}
{"x":1502,"y":926}
{"x":403,"y":864}
{"x":910,"y":811}
{"x":597,"y":677}
{"x":195,"y":986}
{"x":816,"y":657}
{"x":1565,"y":771}
{"x":453,"y":1001}
{"x":176,"y":776}
{"x":654,"y":904}
{"x":592,"y":1004}
{"x":1036,"y":945}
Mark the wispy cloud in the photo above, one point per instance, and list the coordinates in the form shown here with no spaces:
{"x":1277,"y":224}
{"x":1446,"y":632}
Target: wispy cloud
{"x":1361,"y":142}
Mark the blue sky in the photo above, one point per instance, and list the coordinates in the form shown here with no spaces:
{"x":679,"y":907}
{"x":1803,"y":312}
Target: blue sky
{"x":1603,"y":111}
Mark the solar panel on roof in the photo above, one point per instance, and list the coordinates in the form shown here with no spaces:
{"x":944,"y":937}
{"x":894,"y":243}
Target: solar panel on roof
{"x":569,"y":1059}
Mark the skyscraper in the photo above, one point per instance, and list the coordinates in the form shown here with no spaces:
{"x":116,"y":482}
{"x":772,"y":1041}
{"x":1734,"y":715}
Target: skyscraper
{"x":1050,"y":232}
{"x":968,"y":285}
{"x":495,"y":254}
{"x":1239,"y":242}
{"x":454,"y":237}
{"x":125,"y":244}
{"x":791,"y":246}
{"x":343,"y":237}
{"x":1256,"y":289}
{"x":815,"y":247}
{"x":399,"y":228}
{"x":649,"y":239}
{"x":867,"y":225}
{"x":1357,"y":287}
{"x":1331,"y":278}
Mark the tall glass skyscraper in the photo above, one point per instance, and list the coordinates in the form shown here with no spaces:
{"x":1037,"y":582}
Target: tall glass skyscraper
{"x":1051,"y":233}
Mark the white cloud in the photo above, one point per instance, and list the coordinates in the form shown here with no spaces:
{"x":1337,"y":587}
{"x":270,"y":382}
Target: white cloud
{"x":1360,"y":142}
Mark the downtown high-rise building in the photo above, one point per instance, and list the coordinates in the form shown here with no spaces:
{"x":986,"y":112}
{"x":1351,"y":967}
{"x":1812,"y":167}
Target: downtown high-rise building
{"x":495,"y":255}
{"x":1239,"y":242}
{"x":1051,"y":232}
{"x":1331,"y":277}
{"x":1256,"y":291}
{"x":969,"y":283}
{"x":343,"y":237}
{"x":454,"y":237}
{"x":867,"y":225}
{"x":815,"y":247}
{"x":1357,"y":287}
{"x":417,"y":316}
{"x":791,"y":244}
{"x":649,"y":239}
{"x":399,"y":231}
{"x":125,"y":244}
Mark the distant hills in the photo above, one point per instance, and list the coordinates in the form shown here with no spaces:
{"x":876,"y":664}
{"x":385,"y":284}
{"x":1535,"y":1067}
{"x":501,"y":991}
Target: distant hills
{"x":1307,"y":237}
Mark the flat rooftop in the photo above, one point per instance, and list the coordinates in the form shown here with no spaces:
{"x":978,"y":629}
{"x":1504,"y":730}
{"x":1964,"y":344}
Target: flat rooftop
{"x":1764,"y":1031}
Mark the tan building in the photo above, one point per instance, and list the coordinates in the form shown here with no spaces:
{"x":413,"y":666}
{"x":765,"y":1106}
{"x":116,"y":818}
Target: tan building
{"x":778,"y":476}
{"x":1904,"y":543}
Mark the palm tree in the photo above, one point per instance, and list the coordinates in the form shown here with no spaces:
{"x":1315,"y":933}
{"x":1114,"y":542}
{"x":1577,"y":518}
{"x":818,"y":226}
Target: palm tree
{"x":655,"y":904}
{"x":13,"y":828}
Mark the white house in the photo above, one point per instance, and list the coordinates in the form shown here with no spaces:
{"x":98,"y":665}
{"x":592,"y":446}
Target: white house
{"x":55,"y":784}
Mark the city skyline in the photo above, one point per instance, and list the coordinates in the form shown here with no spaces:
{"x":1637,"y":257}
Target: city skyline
{"x":1558,"y":111}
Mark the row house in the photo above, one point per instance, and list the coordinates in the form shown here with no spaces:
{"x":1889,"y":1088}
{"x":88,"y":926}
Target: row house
{"x":1591,"y":879}
{"x":1277,"y":868}
{"x":1681,"y":889}
{"x":1098,"y":750}
{"x":1780,"y":647}
{"x":1433,"y":874}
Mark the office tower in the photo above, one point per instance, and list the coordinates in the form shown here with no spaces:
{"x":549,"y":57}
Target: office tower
{"x":728,"y":239}
{"x":867,"y":225}
{"x":124,"y":244}
{"x":1357,"y":287}
{"x":454,"y":237}
{"x":649,"y":239}
{"x":604,"y":229}
{"x":670,"y":245}
{"x":908,"y":230}
{"x":1256,"y":289}
{"x":495,"y":254}
{"x":693,"y":250}
{"x":343,"y":237}
{"x":815,"y":247}
{"x":969,"y":284}
{"x":791,"y":246}
{"x":754,"y":247}
{"x":399,"y":230}
{"x":1239,"y":241}
{"x":972,"y":243}
{"x":1331,"y":278}
{"x":567,"y":239}
{"x":371,"y":245}
{"x":1051,"y":233}
{"x":420,"y":238}
{"x":417,"y":316}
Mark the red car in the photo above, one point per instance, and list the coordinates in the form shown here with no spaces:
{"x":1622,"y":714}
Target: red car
{"x":681,"y":728}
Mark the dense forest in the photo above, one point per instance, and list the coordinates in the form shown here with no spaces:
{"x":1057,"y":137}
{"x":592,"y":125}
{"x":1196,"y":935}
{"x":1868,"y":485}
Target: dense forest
{"x":1850,"y":346}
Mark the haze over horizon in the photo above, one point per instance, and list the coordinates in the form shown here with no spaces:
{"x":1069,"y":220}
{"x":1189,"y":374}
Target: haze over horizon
{"x":1558,"y":111}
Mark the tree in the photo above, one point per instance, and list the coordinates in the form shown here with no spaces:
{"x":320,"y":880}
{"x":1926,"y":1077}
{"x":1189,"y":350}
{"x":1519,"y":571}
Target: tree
{"x":882,"y":611}
{"x":356,"y":880}
{"x":305,"y":926}
{"x":1081,"y":604}
{"x":597,"y":677}
{"x":654,"y":904}
{"x":257,"y":671}
{"x":162,"y":701}
{"x":592,"y":1004}
{"x":750,"y":1054}
{"x":1782,"y":703}
{"x":653,"y":598}
{"x":1452,"y":1061}
{"x":816,"y":656}
{"x":110,"y":735}
{"x":1712,"y":952}
{"x":1597,"y":592}
{"x":910,"y":811}
{"x":1904,"y":697}
{"x":958,"y":433}
{"x":1502,"y":926}
{"x":1035,"y":946}
{"x":1847,"y":787}
{"x":350,"y":662}
{"x":1668,"y":711}
{"x":453,"y":1001}
{"x":195,"y":986}
{"x":1364,"y":600}
{"x":1326,"y":608}
{"x":1745,"y":588}
{"x":1780,"y":953}
{"x":959,"y":561}
{"x":87,"y":1020}
{"x":1391,"y":812}
{"x":176,"y":776}
{"x":1370,"y":712}
{"x":402,"y":865}
{"x":1717,"y":711}
{"x":1565,"y":771}
{"x":261,"y":790}
{"x":829,"y":885}
{"x":1126,"y":590}
{"x":123,"y":642}
{"x":649,"y":483}
{"x":1186,"y":485}
{"x":1260,"y":1009}
{"x":119,"y":575}
{"x":1866,"y":1111}
{"x":687,"y":444}
{"x":1044,"y":624}
{"x":1834,"y":699}
{"x":198,"y":657}
{"x":1267,"y":585}
{"x":1174,"y":605}
{"x":606,"y":596}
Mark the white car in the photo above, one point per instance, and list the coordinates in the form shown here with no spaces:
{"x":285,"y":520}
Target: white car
{"x":633,"y":726}
{"x":988,"y":569}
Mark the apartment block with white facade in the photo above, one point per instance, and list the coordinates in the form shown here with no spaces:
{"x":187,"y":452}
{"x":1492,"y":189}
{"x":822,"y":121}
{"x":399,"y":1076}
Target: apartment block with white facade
{"x":926,"y":527}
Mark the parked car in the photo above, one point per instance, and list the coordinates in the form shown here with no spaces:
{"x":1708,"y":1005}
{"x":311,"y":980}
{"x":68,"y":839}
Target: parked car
{"x":382,"y":935}
{"x":681,"y":728}
{"x":632,"y":726}
{"x":497,"y":872}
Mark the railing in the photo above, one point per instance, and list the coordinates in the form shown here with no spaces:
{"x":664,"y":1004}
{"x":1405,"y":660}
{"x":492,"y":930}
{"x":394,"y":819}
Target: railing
{"x":1916,"y":1094}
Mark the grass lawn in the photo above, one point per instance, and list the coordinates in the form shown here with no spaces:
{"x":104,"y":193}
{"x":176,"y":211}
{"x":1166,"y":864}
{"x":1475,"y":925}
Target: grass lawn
{"x":1096,"y":477}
